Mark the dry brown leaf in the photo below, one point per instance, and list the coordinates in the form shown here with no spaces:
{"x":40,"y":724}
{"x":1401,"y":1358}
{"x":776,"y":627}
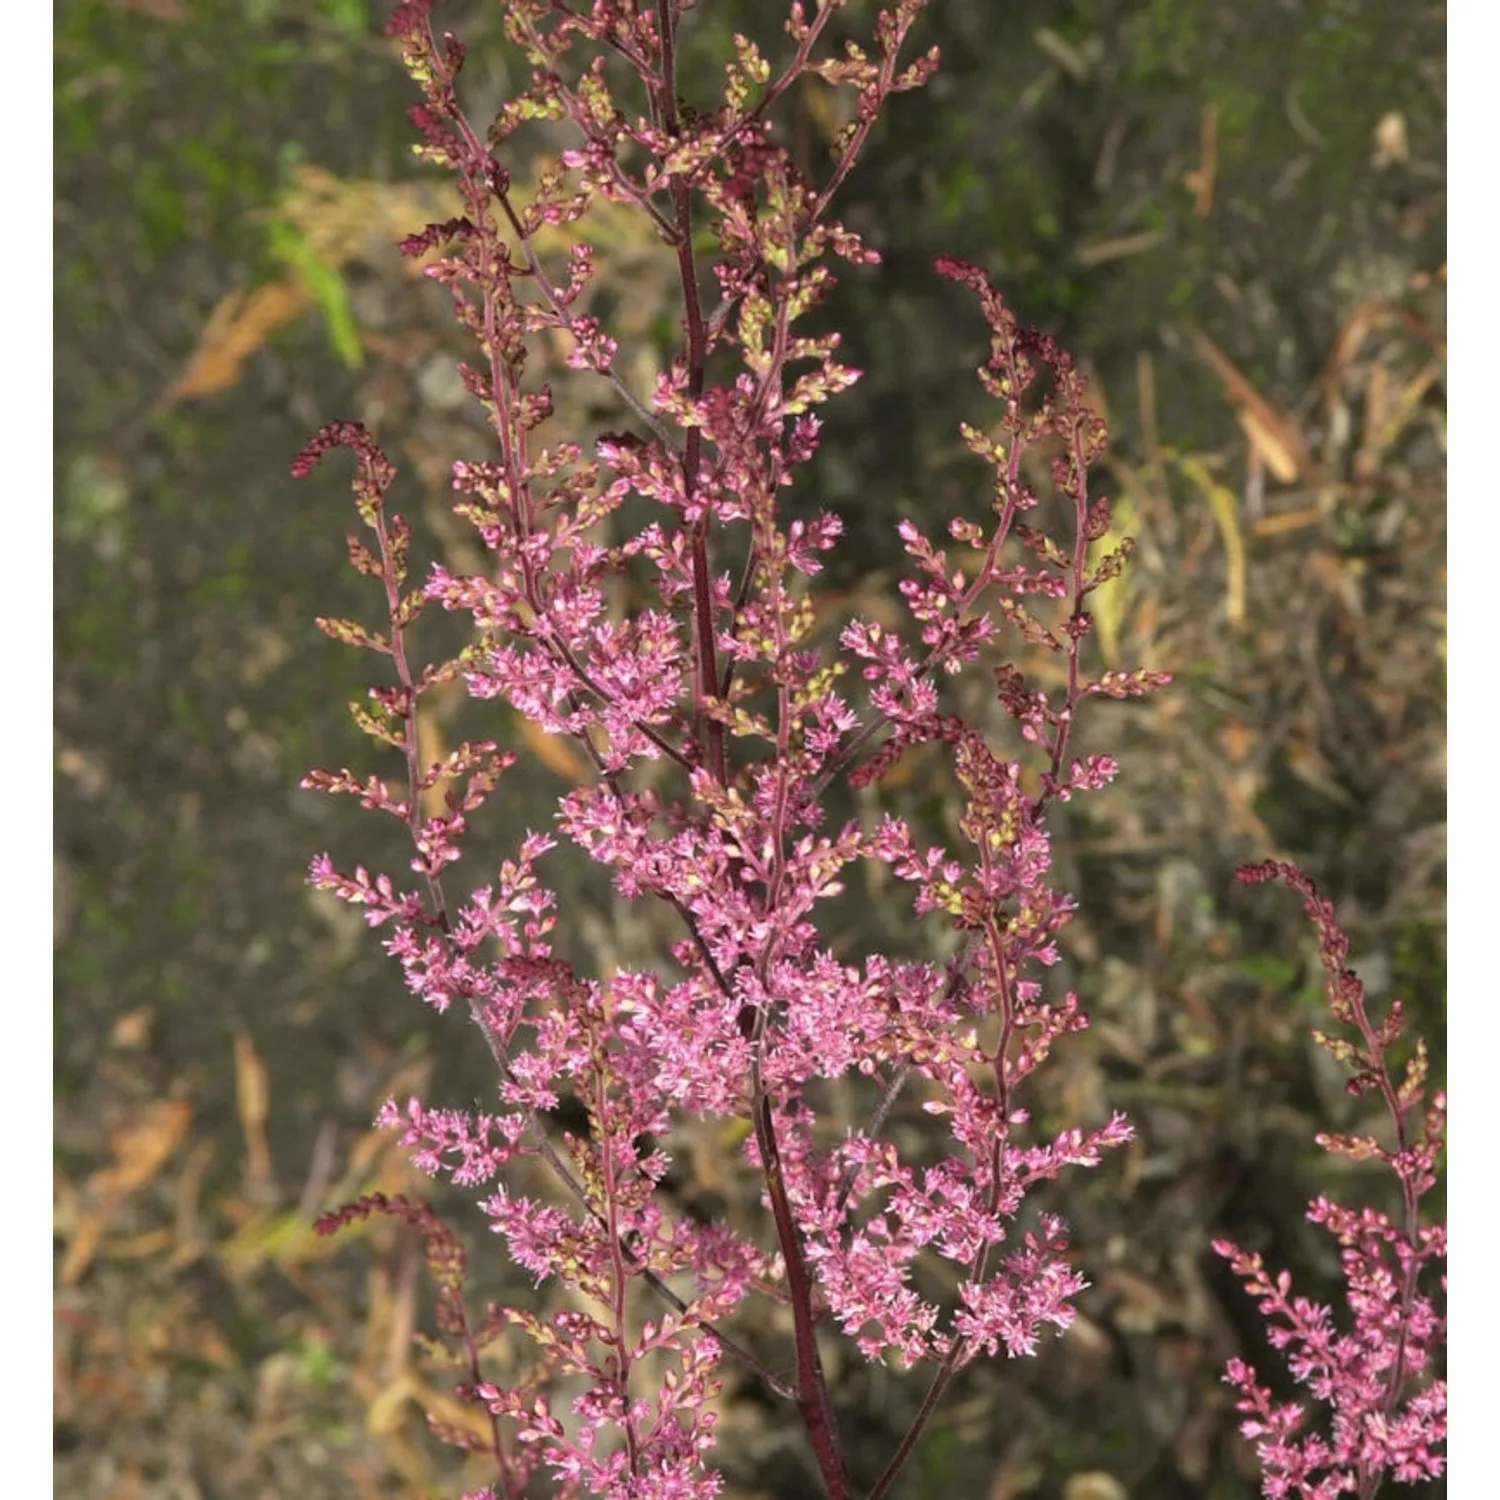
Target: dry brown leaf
{"x":379,"y":1312}
{"x":1236,"y":739}
{"x":1200,"y":179}
{"x":448,"y":1408}
{"x":1371,"y":450}
{"x":1310,"y":766}
{"x":252,"y":1100}
{"x":1095,"y":397}
{"x":1096,"y":1484}
{"x":555,"y":752}
{"x":1388,"y":143}
{"x":187,"y":1230}
{"x":1274,"y":438}
{"x":1290,"y":520}
{"x":378,"y":1163}
{"x":1340,"y":576}
{"x":1239,"y":790}
{"x":1224,"y":509}
{"x":236,"y":328}
{"x":434,"y":749}
{"x":1119,"y":247}
{"x":140,"y":1150}
{"x":69,"y":1324}
{"x":1407,"y":401}
{"x":362,"y":1474}
{"x":1074,"y":61}
{"x":83,"y":1245}
{"x":386,"y":1412}
{"x":139,"y":1246}
{"x":1269,"y":445}
{"x":131,"y":1031}
{"x":822,"y":107}
{"x":1368,"y":316}
{"x":343,"y":217}
{"x":1143,"y":1305}
{"x":340,"y":218}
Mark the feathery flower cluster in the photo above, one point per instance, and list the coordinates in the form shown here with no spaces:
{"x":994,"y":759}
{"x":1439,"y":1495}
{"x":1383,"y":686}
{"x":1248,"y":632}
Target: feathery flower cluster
{"x":720,"y":729}
{"x":1389,"y":1412}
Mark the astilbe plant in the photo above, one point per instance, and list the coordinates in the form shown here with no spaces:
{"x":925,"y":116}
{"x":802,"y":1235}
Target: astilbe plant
{"x":719,"y":729}
{"x":1389,"y":1411}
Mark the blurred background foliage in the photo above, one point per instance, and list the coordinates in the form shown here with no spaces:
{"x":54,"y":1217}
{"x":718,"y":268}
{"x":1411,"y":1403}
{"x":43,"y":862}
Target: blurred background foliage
{"x":1233,"y":215}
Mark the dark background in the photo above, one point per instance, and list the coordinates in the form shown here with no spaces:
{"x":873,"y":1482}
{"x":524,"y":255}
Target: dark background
{"x":1214,"y":205}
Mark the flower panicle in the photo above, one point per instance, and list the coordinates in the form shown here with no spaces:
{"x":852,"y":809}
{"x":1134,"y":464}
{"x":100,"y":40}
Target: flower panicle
{"x":649,"y":610}
{"x":1378,"y":1380}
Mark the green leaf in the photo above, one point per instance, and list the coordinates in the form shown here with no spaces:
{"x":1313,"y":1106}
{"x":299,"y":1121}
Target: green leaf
{"x":351,"y":16}
{"x":324,"y":285}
